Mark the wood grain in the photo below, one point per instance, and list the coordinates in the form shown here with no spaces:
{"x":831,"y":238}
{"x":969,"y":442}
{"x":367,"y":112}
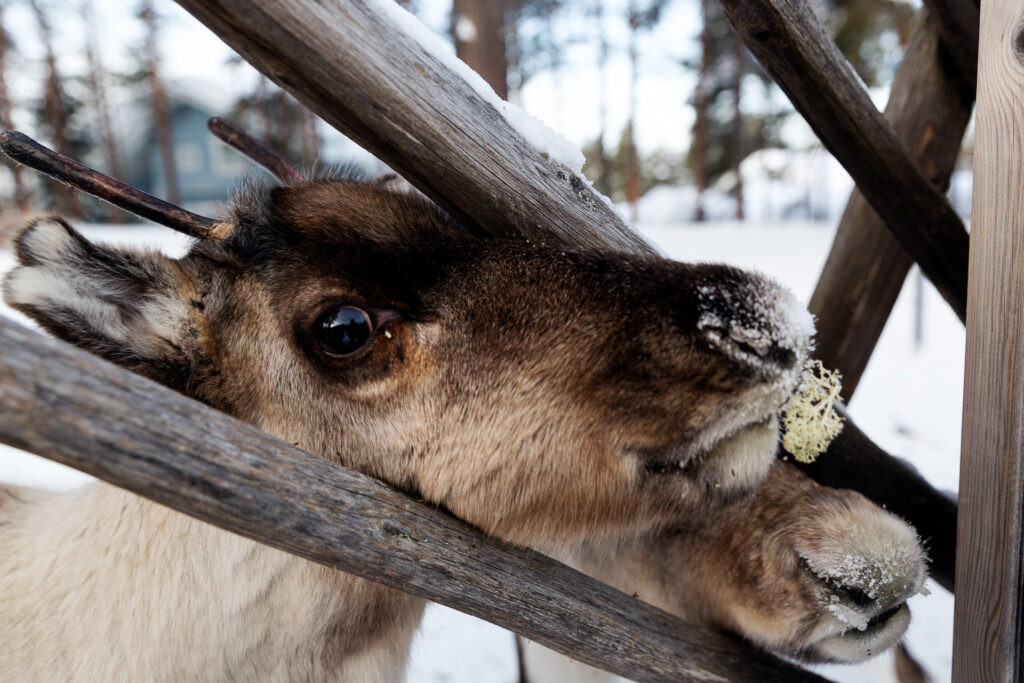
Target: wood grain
{"x":793,"y":47}
{"x":988,"y":630}
{"x":928,"y":110}
{"x":72,"y":407}
{"x":350,"y":64}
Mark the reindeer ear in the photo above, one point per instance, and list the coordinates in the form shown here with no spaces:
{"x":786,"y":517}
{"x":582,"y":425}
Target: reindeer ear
{"x":134,"y":307}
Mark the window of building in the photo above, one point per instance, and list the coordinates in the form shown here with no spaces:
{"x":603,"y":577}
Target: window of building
{"x":227,"y":163}
{"x":188,"y":157}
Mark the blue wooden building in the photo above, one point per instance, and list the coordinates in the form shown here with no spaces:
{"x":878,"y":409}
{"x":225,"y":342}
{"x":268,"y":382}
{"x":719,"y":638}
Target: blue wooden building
{"x":207,"y":169}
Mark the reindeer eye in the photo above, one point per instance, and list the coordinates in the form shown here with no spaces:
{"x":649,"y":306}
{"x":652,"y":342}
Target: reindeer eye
{"x":343,"y":330}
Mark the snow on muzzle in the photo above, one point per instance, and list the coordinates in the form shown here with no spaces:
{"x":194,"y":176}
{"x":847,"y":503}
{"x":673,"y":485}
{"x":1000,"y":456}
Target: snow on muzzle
{"x":756,"y":323}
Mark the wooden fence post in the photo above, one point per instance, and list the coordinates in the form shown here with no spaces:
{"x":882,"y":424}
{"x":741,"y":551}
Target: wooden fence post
{"x":988,"y":628}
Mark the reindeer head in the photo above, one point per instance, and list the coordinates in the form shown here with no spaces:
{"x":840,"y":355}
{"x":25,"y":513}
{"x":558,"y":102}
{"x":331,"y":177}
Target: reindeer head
{"x":541,"y":393}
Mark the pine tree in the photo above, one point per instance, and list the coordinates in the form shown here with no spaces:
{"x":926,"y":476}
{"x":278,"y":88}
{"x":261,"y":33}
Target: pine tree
{"x":21,"y":195}
{"x":640,"y":18}
{"x":602,"y":180}
{"x":55,"y":111}
{"x":158,"y":98}
{"x":97,"y":82}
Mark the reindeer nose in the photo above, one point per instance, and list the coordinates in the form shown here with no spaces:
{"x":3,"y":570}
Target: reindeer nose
{"x":754,"y":321}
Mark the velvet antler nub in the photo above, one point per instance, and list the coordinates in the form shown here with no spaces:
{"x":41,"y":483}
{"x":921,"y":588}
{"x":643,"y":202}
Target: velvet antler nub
{"x":24,"y":150}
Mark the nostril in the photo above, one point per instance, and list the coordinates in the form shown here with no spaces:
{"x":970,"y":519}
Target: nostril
{"x":884,"y":616}
{"x":753,"y":320}
{"x":851,"y":594}
{"x":749,"y":344}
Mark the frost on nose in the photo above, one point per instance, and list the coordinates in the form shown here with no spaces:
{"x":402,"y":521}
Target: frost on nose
{"x":755,"y":321}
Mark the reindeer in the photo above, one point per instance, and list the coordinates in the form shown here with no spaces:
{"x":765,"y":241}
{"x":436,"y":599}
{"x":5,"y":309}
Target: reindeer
{"x":616,"y":411}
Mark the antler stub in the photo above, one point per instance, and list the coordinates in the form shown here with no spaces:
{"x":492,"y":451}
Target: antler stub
{"x":236,"y":138}
{"x":24,"y":150}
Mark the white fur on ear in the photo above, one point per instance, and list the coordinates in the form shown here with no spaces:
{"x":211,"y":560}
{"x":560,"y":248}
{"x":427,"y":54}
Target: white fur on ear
{"x":48,"y":240}
{"x":96,"y":295}
{"x":46,"y":289}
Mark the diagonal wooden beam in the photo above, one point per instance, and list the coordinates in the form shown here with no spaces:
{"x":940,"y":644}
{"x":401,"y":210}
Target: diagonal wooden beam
{"x":354,"y":65}
{"x":75,"y":408}
{"x":792,"y":46}
{"x":928,"y":109}
{"x":958,"y":24}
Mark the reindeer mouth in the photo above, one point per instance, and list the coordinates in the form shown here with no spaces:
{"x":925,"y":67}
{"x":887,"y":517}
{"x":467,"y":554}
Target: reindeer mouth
{"x":731,"y":466}
{"x":862,"y":624}
{"x":879,"y":633}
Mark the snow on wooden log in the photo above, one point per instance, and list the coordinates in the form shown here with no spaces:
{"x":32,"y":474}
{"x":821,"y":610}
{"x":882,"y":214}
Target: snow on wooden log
{"x":407,"y":100}
{"x":988,"y":626}
{"x":928,"y":109}
{"x":77,"y":409}
{"x":792,"y":46}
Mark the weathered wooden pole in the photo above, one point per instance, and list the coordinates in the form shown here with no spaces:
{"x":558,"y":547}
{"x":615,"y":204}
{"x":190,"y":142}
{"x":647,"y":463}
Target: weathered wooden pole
{"x":75,"y":408}
{"x":793,"y":46}
{"x":989,"y":622}
{"x":928,"y":110}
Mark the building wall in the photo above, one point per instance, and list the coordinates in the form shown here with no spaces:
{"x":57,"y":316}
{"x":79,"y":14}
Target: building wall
{"x":207,"y":170}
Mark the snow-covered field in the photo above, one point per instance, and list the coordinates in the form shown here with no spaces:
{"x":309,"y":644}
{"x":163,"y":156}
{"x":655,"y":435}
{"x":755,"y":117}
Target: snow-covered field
{"x":908,"y":401}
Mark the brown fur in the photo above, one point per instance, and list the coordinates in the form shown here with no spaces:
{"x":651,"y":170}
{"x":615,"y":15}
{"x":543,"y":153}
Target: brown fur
{"x":555,"y":398}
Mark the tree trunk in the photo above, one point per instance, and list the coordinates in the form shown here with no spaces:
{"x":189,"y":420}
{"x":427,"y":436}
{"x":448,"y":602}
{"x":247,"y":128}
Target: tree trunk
{"x":738,"y":151}
{"x":700,"y":106}
{"x":97,"y":79}
{"x":161,"y":112}
{"x":603,"y":182}
{"x":55,"y":113}
{"x":632,"y":158}
{"x":478,"y":28}
{"x":6,"y":119}
{"x":309,"y":139}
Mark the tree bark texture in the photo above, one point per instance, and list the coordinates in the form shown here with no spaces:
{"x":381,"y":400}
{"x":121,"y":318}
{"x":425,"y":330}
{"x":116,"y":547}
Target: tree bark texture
{"x":74,"y":408}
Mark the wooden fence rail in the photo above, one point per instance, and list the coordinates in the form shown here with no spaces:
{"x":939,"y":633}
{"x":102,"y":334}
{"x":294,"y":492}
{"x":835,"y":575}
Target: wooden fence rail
{"x":928,"y":109}
{"x":77,"y":409}
{"x":792,"y":45}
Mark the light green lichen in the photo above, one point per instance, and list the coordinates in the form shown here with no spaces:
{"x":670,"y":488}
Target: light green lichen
{"x":810,"y":419}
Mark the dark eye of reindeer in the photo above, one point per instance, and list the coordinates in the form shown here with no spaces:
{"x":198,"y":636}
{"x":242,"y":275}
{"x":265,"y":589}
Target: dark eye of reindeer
{"x":343,"y":330}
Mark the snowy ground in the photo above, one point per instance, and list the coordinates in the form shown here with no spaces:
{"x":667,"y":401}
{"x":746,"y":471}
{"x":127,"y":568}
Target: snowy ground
{"x":908,"y":401}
